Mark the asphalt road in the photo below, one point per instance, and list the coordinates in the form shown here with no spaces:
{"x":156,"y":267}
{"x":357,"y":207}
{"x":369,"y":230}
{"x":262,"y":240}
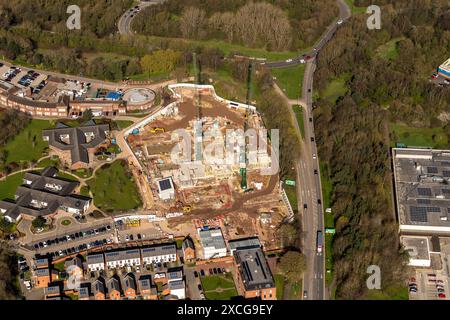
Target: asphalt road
{"x":124,"y":24}
{"x":344,"y":14}
{"x":308,"y":171}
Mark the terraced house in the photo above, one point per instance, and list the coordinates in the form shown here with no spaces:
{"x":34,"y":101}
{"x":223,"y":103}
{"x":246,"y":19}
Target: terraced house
{"x":43,"y":194}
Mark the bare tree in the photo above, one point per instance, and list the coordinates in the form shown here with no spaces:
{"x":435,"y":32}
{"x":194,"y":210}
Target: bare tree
{"x":192,"y":23}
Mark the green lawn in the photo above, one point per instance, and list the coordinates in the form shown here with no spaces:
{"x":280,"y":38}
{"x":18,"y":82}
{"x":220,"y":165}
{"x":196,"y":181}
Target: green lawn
{"x":9,"y":185}
{"x":67,"y":176}
{"x":328,"y":258}
{"x":419,"y":137}
{"x":84,"y":191}
{"x":122,"y":124}
{"x":290,"y":80}
{"x":279,"y":284}
{"x":291,"y":193}
{"x":389,"y":50}
{"x":335,"y":89}
{"x":326,"y":185}
{"x":229,"y":48}
{"x":328,"y":220}
{"x":299,"y":115}
{"x":28,"y":144}
{"x":59,"y":266}
{"x":355,"y":9}
{"x":114,"y":188}
{"x":218,"y":287}
{"x":48,"y":162}
{"x":296,"y":291}
{"x":390,"y":293}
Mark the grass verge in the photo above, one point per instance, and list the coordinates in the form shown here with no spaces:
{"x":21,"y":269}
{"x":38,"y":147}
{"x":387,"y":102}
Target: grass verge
{"x":113,"y":188}
{"x":290,"y":80}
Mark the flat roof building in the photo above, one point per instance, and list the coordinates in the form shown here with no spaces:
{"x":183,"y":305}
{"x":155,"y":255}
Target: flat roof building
{"x":244,"y":243}
{"x":418,"y":249}
{"x":254,"y":276}
{"x":166,"y":189}
{"x":213,"y":243}
{"x":422,"y":188}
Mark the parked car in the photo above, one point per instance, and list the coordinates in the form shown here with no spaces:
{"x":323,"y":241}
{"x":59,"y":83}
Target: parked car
{"x":196,"y":274}
{"x":199,"y":287}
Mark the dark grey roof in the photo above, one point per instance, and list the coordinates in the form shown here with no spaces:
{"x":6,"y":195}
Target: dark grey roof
{"x":41,"y":263}
{"x":165,"y":184}
{"x":244,"y":243}
{"x":42,"y":272}
{"x":54,"y":288}
{"x":254,"y":270}
{"x":118,"y":255}
{"x":176,"y":284}
{"x":98,"y":286}
{"x":94,"y":258}
{"x":159,"y":250}
{"x":188,"y":243}
{"x":46,"y":189}
{"x":145,"y":283}
{"x":113,"y":284}
{"x":78,"y":144}
{"x":129,"y":282}
{"x":84,"y":291}
{"x":175,"y":273}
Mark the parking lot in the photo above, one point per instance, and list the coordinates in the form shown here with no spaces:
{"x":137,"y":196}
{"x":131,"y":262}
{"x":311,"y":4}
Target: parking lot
{"x":85,"y":239}
{"x":430,"y":285}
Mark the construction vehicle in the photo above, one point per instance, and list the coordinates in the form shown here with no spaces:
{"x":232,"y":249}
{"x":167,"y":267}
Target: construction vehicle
{"x":157,"y":129}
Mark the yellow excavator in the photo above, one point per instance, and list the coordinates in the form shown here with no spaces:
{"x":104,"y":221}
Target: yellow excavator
{"x":157,"y":129}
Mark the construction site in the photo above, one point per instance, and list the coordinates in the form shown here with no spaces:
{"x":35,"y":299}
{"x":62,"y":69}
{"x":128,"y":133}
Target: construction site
{"x":193,"y":186}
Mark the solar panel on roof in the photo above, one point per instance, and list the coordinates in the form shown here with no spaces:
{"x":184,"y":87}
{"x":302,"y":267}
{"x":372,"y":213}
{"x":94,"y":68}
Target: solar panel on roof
{"x":446,"y":191}
{"x":165,"y":184}
{"x":446,"y":173}
{"x":432,"y":169}
{"x":433,"y":209}
{"x":423,"y":201}
{"x":426,"y":192}
{"x":418,"y":214}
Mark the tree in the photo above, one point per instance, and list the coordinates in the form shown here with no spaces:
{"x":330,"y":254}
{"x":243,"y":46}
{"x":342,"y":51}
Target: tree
{"x":192,"y":23}
{"x":160,"y":61}
{"x":288,"y":235}
{"x":87,"y":115}
{"x":38,"y":222}
{"x":292,"y":264}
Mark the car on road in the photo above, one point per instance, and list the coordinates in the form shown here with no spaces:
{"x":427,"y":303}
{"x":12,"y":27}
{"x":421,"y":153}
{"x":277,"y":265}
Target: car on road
{"x":312,"y":139}
{"x":315,"y":171}
{"x":319,"y":201}
{"x":305,"y":206}
{"x":196,"y":274}
{"x":289,"y":60}
{"x":310,"y":119}
{"x":199,"y":287}
{"x":302,"y":61}
{"x":340,"y":21}
{"x":305,"y":294}
{"x":314,"y":156}
{"x":319,"y":242}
